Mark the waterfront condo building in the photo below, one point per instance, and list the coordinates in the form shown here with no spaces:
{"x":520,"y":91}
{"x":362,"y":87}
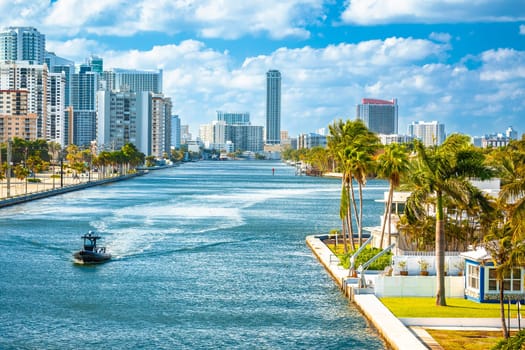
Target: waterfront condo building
{"x":134,"y":80}
{"x":22,"y":75}
{"x":64,"y":66}
{"x":22,"y":44}
{"x":83,"y":99}
{"x":175,"y":132}
{"x":273,"y":107}
{"x":56,"y":116}
{"x":15,"y":119}
{"x":429,"y":133}
{"x":116,"y":119}
{"x":379,"y":116}
{"x":234,"y":117}
{"x":153,"y":124}
{"x":311,"y":140}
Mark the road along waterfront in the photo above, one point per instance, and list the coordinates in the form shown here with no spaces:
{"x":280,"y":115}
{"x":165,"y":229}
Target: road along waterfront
{"x":207,"y":255}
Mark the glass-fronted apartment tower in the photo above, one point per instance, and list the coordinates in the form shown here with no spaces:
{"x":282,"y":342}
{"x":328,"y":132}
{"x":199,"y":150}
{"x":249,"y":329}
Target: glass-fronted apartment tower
{"x":273,"y":107}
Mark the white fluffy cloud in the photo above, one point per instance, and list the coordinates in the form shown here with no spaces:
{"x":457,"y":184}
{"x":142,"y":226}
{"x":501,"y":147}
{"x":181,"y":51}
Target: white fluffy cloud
{"x":207,"y":18}
{"x":432,"y":11}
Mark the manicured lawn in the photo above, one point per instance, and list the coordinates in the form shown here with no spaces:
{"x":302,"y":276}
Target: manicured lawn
{"x":465,"y":340}
{"x":425,"y":307}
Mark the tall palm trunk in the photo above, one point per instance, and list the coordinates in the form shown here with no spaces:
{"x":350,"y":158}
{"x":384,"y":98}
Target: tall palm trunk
{"x":360,"y":222}
{"x":504,"y":328}
{"x":440,"y":251}
{"x":350,"y":190}
{"x":343,"y":213}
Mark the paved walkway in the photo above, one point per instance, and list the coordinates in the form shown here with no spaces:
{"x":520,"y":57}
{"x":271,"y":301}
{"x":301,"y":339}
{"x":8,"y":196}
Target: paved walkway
{"x":34,"y":193}
{"x":463,"y":324}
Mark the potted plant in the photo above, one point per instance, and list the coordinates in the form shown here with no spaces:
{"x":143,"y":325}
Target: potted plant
{"x":402,"y":265}
{"x":423,"y":267}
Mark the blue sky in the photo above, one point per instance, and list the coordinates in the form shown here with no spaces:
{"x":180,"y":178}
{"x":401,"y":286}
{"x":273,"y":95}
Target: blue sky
{"x":460,"y":62}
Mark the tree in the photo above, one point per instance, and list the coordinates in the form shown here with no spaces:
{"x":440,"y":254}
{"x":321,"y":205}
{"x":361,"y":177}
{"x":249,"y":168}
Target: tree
{"x":359,"y":157}
{"x":21,"y":173}
{"x":352,"y":146}
{"x":392,"y":164}
{"x":506,"y":235}
{"x":442,"y":171}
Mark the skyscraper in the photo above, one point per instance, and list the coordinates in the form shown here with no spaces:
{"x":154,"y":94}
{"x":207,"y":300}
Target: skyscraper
{"x":96,"y":63}
{"x":56,"y":117}
{"x":429,"y":133}
{"x":134,"y":80}
{"x":153,"y":123}
{"x":379,"y":116}
{"x":22,"y":75}
{"x":175,"y":132}
{"x":22,"y":44}
{"x":273,"y":107}
{"x":116,"y":119}
{"x":83,"y":99}
{"x":234,"y":117}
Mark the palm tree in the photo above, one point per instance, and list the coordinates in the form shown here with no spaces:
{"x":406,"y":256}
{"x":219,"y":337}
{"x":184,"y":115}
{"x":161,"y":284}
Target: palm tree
{"x":442,"y":171}
{"x":336,"y":142}
{"x":505,"y":239}
{"x":512,"y":194}
{"x":359,"y":156}
{"x":506,"y":255}
{"x":392,"y":164}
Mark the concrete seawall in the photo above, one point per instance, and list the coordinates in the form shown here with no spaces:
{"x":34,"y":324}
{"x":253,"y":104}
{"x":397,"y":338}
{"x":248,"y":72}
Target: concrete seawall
{"x":70,"y":188}
{"x":397,"y":335}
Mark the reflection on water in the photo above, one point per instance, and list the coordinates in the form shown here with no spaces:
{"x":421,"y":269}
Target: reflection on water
{"x":206,"y":255}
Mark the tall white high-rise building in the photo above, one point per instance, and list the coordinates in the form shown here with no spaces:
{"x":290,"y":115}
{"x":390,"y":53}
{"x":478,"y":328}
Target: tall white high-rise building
{"x":56,"y":115}
{"x":134,"y":80}
{"x":429,"y":133}
{"x":379,"y":116}
{"x":153,"y":124}
{"x":273,"y":107}
{"x":22,"y":44}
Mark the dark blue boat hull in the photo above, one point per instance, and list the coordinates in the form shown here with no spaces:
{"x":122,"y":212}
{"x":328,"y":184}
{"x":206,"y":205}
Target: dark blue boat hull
{"x":88,"y":257}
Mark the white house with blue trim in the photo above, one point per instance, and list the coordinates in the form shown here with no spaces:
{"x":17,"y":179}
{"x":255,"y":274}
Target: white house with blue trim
{"x":481,"y":284}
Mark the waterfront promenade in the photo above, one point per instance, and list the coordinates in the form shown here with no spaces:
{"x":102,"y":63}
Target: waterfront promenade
{"x":24,"y":191}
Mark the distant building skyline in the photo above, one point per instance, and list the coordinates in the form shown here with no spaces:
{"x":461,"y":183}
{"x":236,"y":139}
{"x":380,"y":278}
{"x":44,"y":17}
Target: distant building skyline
{"x":273,"y":107}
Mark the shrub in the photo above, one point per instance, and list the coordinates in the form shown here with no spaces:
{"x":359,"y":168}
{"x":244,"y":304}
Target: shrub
{"x":516,"y":342}
{"x":365,"y":255}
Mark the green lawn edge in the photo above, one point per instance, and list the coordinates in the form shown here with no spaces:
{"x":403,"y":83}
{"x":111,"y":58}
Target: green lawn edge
{"x":407,"y":307}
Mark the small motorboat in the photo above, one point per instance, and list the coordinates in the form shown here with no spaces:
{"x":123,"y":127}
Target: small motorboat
{"x":90,"y":253}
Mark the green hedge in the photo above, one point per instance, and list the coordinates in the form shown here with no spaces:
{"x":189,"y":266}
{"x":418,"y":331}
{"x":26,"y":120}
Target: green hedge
{"x":365,"y":255}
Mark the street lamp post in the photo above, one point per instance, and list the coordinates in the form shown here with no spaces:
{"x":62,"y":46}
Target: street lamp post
{"x":9,"y":145}
{"x":61,"y":169}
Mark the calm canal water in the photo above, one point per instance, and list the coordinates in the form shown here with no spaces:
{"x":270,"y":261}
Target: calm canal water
{"x":208,"y":255}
